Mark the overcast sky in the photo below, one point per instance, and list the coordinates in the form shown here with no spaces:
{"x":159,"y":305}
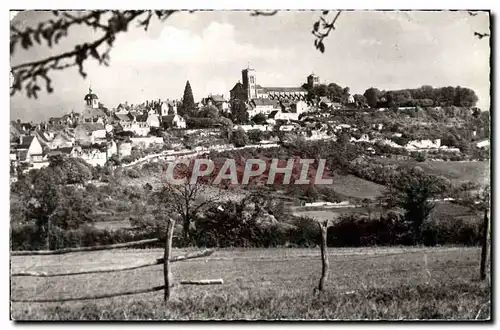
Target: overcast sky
{"x":387,"y":50}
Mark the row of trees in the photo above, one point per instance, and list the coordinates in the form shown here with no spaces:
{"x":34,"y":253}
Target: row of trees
{"x":424,"y":96}
{"x":333,"y":91}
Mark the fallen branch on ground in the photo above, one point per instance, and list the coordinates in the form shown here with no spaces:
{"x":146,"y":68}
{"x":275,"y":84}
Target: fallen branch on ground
{"x":203,"y":282}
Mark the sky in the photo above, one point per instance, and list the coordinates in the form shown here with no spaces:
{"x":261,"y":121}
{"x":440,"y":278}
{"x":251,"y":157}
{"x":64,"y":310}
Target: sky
{"x":382,"y":49}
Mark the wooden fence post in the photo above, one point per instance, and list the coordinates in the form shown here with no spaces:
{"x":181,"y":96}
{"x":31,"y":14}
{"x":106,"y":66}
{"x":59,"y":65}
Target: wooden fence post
{"x":167,"y":274}
{"x":324,"y":256}
{"x":484,"y":249}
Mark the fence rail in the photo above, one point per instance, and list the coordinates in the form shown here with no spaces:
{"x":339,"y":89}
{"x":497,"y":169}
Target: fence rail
{"x":86,"y":248}
{"x":102,"y":296}
{"x":159,"y":261}
{"x":166,"y":260}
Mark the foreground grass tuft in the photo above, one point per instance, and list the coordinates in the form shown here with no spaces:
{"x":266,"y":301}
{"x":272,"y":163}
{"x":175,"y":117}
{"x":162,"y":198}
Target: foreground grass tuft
{"x":260,"y":284}
{"x":425,"y":301}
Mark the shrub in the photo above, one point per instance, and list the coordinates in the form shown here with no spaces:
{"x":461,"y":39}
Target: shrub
{"x":306,"y":232}
{"x":239,"y":138}
{"x":200,"y":122}
{"x":131,"y":173}
{"x":419,"y":157}
{"x":127,"y":159}
{"x":255,"y":135}
{"x":259,"y":119}
{"x":26,"y":237}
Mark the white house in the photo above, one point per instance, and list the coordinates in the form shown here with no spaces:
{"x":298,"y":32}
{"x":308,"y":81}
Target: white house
{"x":247,"y":128}
{"x":300,"y":107}
{"x":483,"y":144}
{"x":90,"y":132}
{"x":93,"y":156}
{"x":30,"y":149}
{"x":145,"y":142}
{"x":262,"y":105}
{"x":139,"y":128}
{"x":124,"y":149}
{"x":153,"y":120}
{"x":112,"y":149}
{"x":280,"y":115}
{"x":423,"y":144}
{"x":173,"y":121}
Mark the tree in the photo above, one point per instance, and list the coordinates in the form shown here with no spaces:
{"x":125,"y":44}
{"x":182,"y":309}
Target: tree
{"x":42,"y":200}
{"x":209,"y":111}
{"x":259,"y":119}
{"x":73,"y":209}
{"x":465,"y":97}
{"x":255,"y":135}
{"x":187,"y":200}
{"x":402,"y":98}
{"x":69,"y":170}
{"x":240,"y":138}
{"x":343,"y":138}
{"x":360,"y":100}
{"x":464,"y":146}
{"x":188,"y":105}
{"x":227,"y":127}
{"x":475,"y":199}
{"x":389,"y":100}
{"x":239,"y":113}
{"x":413,"y":191}
{"x":372,"y":95}
{"x":336,"y":93}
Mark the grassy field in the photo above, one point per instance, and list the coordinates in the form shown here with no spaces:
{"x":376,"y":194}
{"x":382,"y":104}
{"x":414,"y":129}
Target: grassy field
{"x":364,"y":283}
{"x":457,"y":172}
{"x":352,"y":186}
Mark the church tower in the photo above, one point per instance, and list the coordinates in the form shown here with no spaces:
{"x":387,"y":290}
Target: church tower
{"x":91,"y":100}
{"x":249,"y":83}
{"x":312,"y":81}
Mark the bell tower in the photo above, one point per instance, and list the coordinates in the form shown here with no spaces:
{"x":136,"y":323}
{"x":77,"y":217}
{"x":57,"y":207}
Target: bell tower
{"x":312,"y":80}
{"x":249,"y":82}
{"x":91,"y":100}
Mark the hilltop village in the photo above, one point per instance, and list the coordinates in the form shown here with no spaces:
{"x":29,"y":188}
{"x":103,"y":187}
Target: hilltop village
{"x":439,"y":120}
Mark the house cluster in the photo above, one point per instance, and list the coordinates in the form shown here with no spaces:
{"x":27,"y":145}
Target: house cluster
{"x":91,"y":134}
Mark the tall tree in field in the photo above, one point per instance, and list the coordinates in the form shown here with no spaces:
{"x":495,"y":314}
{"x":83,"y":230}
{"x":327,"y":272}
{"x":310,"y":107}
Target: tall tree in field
{"x":372,"y":95}
{"x":413,"y":190}
{"x":185,"y":200}
{"x":187,"y":100}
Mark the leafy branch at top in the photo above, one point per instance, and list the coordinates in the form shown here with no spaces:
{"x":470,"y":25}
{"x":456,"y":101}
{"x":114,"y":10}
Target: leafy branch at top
{"x":322,"y":28}
{"x":264,"y":13}
{"x":27,"y":75}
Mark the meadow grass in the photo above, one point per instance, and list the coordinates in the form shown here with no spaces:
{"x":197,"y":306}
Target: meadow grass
{"x":456,"y":171}
{"x":366,"y":283}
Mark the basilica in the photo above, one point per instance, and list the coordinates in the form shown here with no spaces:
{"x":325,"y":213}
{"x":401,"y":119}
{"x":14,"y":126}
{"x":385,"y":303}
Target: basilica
{"x":248,"y":89}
